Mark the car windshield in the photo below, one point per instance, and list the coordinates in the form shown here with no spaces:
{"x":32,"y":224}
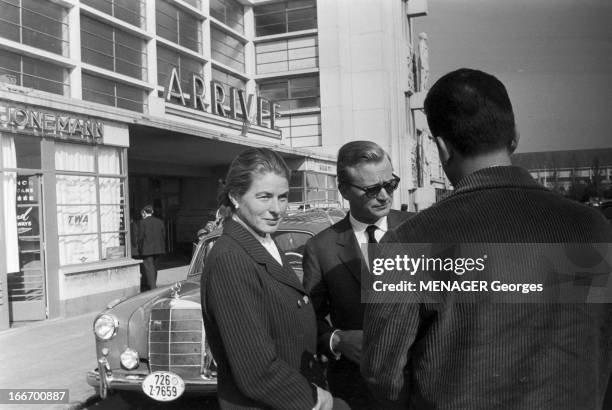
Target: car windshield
{"x":201,"y":252}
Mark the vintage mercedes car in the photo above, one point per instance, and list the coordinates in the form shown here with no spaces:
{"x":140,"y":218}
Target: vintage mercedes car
{"x":154,"y":343}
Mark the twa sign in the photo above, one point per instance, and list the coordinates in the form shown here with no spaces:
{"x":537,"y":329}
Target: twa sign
{"x":252,"y":109}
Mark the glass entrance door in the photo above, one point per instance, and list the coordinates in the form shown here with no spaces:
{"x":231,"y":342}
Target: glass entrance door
{"x":26,"y":288}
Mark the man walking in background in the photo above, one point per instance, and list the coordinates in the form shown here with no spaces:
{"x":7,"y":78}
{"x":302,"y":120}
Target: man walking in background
{"x":151,"y":243}
{"x":452,"y":355}
{"x":333,"y":263}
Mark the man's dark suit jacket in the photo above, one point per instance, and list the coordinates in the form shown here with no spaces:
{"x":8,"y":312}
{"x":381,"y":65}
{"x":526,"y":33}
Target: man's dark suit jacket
{"x":333,"y":264}
{"x":492,"y":356}
{"x":151,"y":236}
{"x":260,"y":324}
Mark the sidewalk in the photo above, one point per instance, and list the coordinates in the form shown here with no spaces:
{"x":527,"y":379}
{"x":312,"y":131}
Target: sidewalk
{"x":53,"y":354}
{"x":56,"y":354}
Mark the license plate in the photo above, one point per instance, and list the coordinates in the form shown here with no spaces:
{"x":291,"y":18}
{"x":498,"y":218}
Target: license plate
{"x":163,"y":386}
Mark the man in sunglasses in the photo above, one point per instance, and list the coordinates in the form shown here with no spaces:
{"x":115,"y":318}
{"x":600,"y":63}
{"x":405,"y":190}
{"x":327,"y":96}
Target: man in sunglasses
{"x":334,"y":261}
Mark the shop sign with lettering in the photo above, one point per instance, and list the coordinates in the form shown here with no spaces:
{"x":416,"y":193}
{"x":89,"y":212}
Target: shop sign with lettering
{"x":325,"y":168}
{"x":27,"y":221}
{"x":57,"y":125}
{"x":81,"y":220}
{"x":26,"y":190}
{"x":264,"y":108}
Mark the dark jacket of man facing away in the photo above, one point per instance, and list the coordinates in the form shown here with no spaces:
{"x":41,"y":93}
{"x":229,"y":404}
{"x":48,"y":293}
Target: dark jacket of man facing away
{"x":489,"y":356}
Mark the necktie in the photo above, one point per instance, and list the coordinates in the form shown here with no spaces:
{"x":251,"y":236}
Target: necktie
{"x":370,"y":231}
{"x":371,"y":240}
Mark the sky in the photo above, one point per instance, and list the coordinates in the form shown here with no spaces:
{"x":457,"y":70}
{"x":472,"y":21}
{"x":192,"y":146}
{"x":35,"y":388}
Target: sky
{"x":554,"y":57}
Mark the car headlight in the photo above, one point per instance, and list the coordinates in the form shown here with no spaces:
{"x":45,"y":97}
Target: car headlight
{"x":105,"y":327}
{"x":129,"y":359}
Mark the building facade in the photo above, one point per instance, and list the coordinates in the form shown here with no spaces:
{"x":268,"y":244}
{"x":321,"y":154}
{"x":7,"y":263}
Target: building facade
{"x":108,"y":105}
{"x":584,"y":175}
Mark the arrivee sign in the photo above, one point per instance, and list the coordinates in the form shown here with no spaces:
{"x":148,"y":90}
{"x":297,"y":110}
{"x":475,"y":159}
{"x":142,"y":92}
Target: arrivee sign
{"x":264,"y":108}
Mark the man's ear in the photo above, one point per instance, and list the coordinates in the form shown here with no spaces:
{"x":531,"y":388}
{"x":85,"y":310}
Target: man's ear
{"x":445,"y":150}
{"x":514,"y":142}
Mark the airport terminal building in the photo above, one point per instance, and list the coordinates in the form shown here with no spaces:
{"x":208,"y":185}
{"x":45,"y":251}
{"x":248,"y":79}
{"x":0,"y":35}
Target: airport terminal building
{"x":108,"y":105}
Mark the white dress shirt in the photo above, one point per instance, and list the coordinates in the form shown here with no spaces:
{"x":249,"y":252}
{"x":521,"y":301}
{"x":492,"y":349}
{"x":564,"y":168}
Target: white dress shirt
{"x":359,"y":228}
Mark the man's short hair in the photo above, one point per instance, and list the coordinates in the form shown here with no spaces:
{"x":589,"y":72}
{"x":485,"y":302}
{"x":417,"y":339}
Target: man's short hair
{"x":357,"y":152}
{"x":148,"y":209}
{"x":472,"y":111}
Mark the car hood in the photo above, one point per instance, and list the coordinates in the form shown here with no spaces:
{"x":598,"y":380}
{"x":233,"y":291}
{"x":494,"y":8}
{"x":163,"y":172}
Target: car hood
{"x":137,"y":310}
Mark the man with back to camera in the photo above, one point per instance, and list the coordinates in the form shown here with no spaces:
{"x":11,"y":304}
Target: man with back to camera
{"x":482,"y":356}
{"x":333,"y":263}
{"x":151,"y":243}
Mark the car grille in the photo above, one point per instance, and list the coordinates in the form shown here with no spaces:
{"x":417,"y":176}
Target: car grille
{"x":177,"y":340}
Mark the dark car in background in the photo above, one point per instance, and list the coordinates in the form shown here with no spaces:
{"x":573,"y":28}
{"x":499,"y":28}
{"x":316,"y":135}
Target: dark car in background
{"x":154,"y":343}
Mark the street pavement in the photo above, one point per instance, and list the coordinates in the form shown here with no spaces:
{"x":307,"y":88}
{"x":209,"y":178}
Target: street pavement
{"x":56,"y":354}
{"x":53,"y":354}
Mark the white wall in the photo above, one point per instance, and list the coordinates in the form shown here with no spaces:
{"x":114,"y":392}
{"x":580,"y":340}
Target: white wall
{"x":363,"y":51}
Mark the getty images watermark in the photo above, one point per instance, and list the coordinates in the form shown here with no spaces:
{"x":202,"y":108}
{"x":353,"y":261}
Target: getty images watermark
{"x":488,"y":273}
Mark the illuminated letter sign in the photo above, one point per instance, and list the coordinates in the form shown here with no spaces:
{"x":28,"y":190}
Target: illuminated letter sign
{"x":198,"y":98}
{"x":247,"y":106}
{"x":265,"y":109}
{"x":174,"y":82}
{"x":217,"y":93}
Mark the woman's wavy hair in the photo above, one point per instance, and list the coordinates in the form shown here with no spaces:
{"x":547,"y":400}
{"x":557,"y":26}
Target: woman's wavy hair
{"x":240,"y":175}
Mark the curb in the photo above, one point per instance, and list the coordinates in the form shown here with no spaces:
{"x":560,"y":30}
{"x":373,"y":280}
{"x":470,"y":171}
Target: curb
{"x":44,"y":323}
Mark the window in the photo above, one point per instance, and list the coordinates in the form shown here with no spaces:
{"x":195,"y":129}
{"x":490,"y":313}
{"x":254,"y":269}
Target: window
{"x":321,"y":187}
{"x":195,"y":3}
{"x":34,"y":73}
{"x":28,"y":152}
{"x":226,"y":49}
{"x":313,"y":187}
{"x":116,"y":50}
{"x":302,"y":130}
{"x":39,"y":24}
{"x":292,"y":93}
{"x":202,"y":251}
{"x":130,"y":11}
{"x":285,"y":17}
{"x":186,"y":67}
{"x":90,"y":189}
{"x":296,"y":186}
{"x":286,"y":55}
{"x":228,"y":12}
{"x":178,"y":26}
{"x":228,"y":80}
{"x":109,"y":92}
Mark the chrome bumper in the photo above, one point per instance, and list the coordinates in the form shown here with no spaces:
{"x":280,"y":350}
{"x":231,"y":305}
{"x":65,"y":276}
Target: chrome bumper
{"x":133,"y":381}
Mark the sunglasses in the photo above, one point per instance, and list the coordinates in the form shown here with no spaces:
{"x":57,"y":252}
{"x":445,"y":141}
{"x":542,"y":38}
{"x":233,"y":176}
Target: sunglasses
{"x":372,"y":191}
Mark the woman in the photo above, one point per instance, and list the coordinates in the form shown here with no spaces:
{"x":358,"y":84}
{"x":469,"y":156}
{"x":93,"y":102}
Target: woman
{"x":258,"y":318}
